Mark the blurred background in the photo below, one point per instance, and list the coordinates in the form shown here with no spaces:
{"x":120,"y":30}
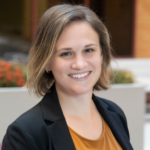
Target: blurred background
{"x":128,"y":22}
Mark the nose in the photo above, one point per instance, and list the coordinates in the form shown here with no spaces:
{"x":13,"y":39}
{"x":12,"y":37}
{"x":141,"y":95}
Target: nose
{"x":79,"y":63}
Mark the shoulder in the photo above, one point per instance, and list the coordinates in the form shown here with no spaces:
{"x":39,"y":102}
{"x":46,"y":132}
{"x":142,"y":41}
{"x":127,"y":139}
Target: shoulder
{"x":112,"y":106}
{"x":31,"y":118}
{"x":30,"y":128}
{"x":32,"y":121}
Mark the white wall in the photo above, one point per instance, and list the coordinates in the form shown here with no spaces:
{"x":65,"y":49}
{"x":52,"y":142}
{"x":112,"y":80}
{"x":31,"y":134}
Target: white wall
{"x":131,"y":98}
{"x":13,"y":102}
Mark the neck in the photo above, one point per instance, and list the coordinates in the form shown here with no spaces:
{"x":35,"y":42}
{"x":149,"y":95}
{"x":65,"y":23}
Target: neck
{"x":78,"y":106}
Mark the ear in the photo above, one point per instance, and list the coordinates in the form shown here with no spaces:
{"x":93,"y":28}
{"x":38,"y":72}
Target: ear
{"x":47,"y":68}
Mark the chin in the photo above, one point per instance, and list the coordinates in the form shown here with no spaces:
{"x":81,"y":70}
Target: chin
{"x":81,"y":90}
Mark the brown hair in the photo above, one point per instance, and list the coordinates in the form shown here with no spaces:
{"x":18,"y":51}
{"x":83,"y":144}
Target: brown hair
{"x":49,"y":29}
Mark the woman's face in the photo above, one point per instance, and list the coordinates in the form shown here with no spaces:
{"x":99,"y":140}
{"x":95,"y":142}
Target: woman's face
{"x":76,"y":63}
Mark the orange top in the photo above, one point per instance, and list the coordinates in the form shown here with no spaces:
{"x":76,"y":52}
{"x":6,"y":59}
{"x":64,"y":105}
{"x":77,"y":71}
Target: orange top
{"x":106,"y":141}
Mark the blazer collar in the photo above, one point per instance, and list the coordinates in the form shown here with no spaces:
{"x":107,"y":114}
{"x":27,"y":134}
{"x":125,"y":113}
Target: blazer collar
{"x":51,"y":107}
{"x":59,"y":135}
{"x":114,"y":122}
{"x":59,"y":132}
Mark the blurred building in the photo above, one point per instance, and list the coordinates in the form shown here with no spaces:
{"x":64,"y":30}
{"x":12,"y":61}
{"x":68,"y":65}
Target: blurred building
{"x":127,"y":21}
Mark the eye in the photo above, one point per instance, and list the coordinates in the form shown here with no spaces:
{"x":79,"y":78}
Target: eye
{"x":89,"y":50}
{"x":65,"y":54}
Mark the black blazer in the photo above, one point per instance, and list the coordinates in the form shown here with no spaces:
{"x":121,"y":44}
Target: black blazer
{"x":44,"y":127}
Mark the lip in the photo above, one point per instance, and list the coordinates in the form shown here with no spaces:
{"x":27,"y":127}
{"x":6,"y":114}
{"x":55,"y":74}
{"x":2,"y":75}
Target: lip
{"x":79,"y":73}
{"x":81,"y":79}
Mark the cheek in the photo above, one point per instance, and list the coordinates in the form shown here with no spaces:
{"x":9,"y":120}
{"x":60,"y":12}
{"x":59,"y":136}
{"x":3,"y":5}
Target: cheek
{"x":96,"y":62}
{"x":59,"y":67}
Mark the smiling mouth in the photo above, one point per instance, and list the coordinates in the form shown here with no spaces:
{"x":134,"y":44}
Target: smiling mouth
{"x":80,"y":75}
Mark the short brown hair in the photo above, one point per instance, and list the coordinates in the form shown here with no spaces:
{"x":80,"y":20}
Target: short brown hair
{"x":49,"y":29}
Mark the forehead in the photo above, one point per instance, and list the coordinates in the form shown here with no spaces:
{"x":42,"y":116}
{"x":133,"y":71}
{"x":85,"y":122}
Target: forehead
{"x":78,"y":24}
{"x":78,"y":33}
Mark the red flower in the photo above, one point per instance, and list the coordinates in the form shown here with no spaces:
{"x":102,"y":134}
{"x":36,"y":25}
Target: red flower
{"x":10,"y":75}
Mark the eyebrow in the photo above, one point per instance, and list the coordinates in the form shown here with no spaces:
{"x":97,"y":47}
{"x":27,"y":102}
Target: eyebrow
{"x":90,"y":45}
{"x":69,"y":48}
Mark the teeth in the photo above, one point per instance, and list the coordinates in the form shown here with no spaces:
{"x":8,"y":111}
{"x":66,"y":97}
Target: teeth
{"x":80,"y":75}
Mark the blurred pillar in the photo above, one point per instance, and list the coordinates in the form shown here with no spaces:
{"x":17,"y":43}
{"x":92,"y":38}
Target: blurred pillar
{"x":38,"y":9}
{"x":27,"y":19}
{"x":54,"y":2}
{"x":87,"y":3}
{"x":141,"y":35}
{"x":42,"y":7}
{"x":34,"y":17}
{"x":134,"y":28}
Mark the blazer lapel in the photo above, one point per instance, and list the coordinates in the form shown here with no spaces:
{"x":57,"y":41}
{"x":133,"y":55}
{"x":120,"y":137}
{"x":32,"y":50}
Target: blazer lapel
{"x":114,"y":122}
{"x":59,"y":134}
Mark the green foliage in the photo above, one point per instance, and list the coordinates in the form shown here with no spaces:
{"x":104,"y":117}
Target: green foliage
{"x":121,"y":76}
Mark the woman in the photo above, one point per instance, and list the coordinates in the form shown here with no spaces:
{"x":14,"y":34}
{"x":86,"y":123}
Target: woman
{"x":70,"y":57}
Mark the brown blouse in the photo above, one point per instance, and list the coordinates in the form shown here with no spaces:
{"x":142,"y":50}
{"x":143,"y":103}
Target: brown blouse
{"x":106,"y":141}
